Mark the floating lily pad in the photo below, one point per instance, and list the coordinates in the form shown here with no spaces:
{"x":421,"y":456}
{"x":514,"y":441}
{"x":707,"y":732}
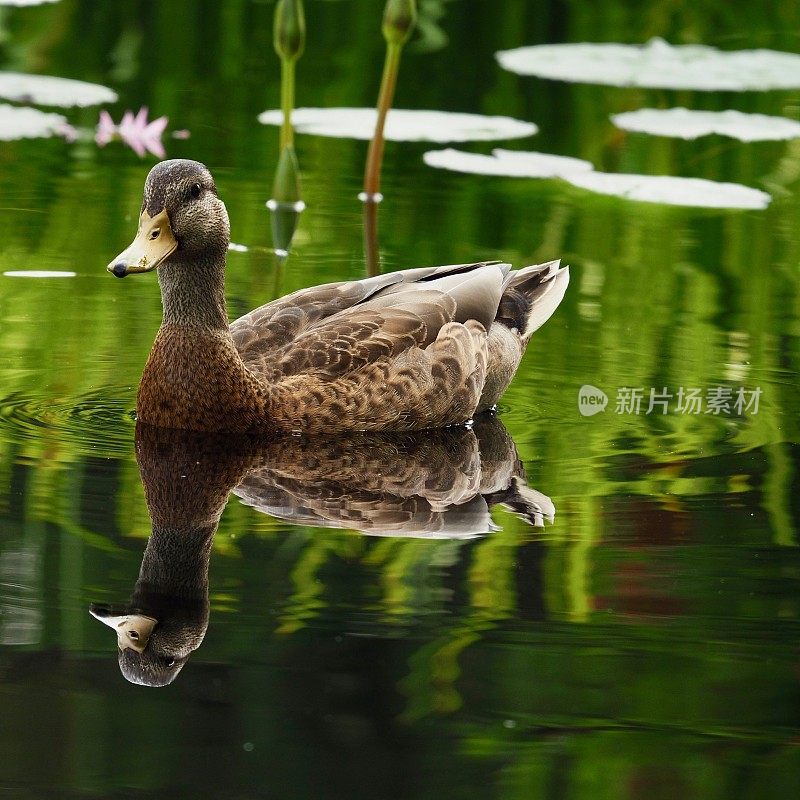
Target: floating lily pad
{"x":657,"y":64}
{"x":28,"y":123}
{"x":645,"y":188}
{"x":49,"y":91}
{"x":506,"y":163}
{"x":671,"y":190}
{"x":683,"y":123}
{"x":402,"y":125}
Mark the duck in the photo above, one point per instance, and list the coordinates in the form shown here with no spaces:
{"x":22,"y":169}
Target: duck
{"x":415,"y":349}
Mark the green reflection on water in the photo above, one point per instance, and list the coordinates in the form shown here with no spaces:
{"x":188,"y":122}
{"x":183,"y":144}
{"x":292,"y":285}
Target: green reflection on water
{"x":643,"y":645}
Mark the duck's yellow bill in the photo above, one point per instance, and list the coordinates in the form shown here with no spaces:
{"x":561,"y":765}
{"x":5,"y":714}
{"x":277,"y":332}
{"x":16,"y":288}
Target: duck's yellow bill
{"x":154,"y":243}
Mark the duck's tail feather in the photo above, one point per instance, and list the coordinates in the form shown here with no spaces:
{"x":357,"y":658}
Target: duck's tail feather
{"x":531,"y":295}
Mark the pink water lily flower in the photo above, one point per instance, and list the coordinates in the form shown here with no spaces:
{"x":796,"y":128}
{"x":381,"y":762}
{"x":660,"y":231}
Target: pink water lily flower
{"x":106,"y":129}
{"x":139,"y":134}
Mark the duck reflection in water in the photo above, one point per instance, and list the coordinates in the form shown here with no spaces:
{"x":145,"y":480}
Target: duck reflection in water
{"x":433,"y":484}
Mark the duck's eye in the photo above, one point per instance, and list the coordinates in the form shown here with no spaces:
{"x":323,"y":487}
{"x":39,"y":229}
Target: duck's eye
{"x":169,"y":661}
{"x":134,"y":635}
{"x":195,"y":190}
{"x":154,"y":234}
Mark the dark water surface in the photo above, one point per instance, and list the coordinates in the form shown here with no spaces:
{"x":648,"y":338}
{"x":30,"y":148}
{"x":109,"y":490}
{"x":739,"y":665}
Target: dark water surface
{"x":644,"y":645}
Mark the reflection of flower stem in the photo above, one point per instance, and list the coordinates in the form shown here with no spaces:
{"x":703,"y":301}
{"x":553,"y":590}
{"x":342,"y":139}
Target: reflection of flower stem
{"x":285,"y":205}
{"x":371,"y":237}
{"x":286,"y":187}
{"x":372,"y":174}
{"x":277,"y":285}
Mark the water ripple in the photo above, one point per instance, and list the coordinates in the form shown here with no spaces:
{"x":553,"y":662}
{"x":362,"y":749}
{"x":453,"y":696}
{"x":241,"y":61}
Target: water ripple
{"x":99,"y":422}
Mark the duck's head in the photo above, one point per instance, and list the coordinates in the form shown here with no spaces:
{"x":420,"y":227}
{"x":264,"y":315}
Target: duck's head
{"x":182,"y":217}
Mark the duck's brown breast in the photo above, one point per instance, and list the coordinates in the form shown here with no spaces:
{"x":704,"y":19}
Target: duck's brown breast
{"x":195,"y":380}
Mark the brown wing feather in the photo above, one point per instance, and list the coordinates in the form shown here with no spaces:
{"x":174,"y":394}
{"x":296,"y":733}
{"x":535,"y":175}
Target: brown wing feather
{"x":419,"y":387}
{"x":259,"y":333}
{"x":278,"y":323}
{"x":348,"y":342}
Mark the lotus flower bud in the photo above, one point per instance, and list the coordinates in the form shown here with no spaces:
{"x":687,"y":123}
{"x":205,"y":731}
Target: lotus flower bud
{"x":290,"y":29}
{"x":399,"y":18}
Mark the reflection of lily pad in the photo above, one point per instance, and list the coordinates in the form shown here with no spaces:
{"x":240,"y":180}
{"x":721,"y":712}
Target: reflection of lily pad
{"x":403,"y":125}
{"x":671,"y":190}
{"x":508,"y":163}
{"x":49,"y":91}
{"x":685,"y":124}
{"x":657,"y":65}
{"x":28,"y":123}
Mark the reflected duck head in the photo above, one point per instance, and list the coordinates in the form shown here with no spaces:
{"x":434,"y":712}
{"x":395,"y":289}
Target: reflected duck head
{"x":152,"y":650}
{"x":182,"y":219}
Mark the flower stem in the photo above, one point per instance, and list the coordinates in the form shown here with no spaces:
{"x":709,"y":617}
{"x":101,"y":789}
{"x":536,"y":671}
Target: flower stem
{"x":287,"y":102}
{"x":391,"y":66}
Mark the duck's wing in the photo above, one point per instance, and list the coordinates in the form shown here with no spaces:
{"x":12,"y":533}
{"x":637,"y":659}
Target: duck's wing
{"x":277,"y":323}
{"x":258,"y":334}
{"x":406,"y":359}
{"x":402,"y":316}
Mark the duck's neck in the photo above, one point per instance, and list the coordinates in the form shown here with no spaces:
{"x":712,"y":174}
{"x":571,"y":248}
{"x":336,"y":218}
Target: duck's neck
{"x":193,"y":294}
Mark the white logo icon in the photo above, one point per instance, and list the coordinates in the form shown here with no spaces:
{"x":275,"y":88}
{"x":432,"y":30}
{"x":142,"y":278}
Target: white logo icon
{"x":591,"y":400}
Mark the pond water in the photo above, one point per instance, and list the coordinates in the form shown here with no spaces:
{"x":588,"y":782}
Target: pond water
{"x":643,"y":644}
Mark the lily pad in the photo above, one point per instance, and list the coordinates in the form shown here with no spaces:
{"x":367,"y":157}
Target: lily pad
{"x":38,"y":273}
{"x":683,"y":123}
{"x":658,"y":65}
{"x":671,"y":190}
{"x":28,"y":123}
{"x":49,"y":91}
{"x":402,"y":125}
{"x":665,"y":189}
{"x":506,"y":163}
